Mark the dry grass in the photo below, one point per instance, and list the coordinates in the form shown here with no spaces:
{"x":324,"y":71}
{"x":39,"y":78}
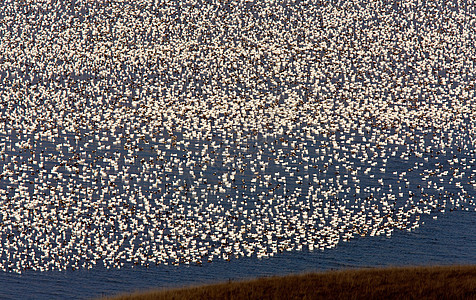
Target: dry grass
{"x":453,"y":282}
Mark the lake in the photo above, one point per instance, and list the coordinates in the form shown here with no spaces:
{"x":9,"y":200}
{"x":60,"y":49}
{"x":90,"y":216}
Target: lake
{"x":169,"y":143}
{"x":449,"y":240}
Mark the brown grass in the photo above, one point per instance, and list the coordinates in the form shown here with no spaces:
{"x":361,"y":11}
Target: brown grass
{"x":453,"y":282}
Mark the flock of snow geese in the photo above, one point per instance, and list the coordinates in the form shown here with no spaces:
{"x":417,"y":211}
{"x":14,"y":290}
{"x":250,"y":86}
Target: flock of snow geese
{"x":180,"y":132}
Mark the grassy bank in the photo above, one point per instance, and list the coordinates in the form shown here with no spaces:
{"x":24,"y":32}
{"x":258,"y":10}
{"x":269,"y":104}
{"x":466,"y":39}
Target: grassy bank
{"x":453,"y":282}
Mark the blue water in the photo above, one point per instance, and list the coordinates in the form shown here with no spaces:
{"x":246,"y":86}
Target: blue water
{"x":451,"y":239}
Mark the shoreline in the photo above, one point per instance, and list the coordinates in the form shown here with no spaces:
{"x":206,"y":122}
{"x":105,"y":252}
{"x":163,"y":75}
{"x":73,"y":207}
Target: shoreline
{"x":430,"y":282}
